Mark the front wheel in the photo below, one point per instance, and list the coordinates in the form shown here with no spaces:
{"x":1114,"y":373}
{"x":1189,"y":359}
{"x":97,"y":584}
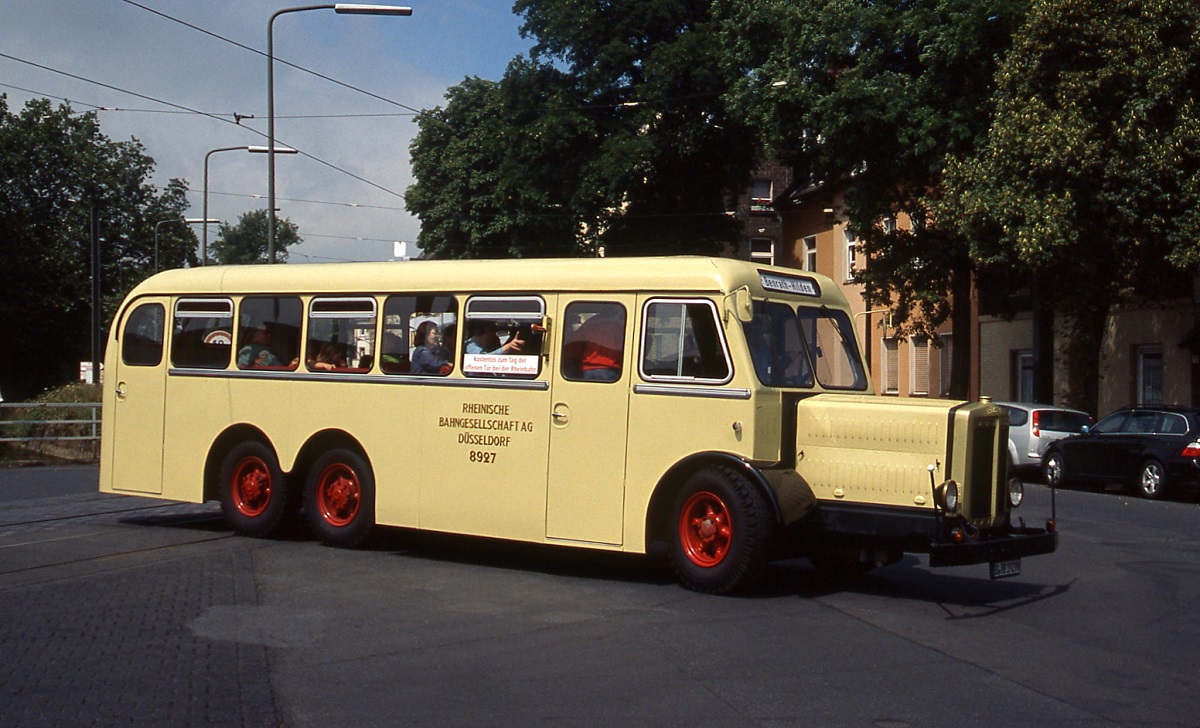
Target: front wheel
{"x":1152,"y":480}
{"x":254,"y":496}
{"x":720,"y":531}
{"x":339,"y":498}
{"x":1053,"y":471}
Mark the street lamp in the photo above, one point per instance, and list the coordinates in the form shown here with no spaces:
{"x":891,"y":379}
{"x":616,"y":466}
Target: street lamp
{"x":187,"y":220}
{"x":343,"y":8}
{"x":252,"y":150}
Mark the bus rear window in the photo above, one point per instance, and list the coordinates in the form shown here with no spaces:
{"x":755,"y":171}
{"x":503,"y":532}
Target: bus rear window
{"x":142,"y":341}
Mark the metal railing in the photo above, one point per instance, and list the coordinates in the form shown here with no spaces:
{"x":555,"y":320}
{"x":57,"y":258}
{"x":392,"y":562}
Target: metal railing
{"x":37,"y":423}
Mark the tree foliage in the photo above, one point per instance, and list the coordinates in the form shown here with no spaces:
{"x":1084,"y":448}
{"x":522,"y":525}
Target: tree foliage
{"x":55,"y":166}
{"x":246,"y":241}
{"x":611,"y":134}
{"x":1090,"y":176}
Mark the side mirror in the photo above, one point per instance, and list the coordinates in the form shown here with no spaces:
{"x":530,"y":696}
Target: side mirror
{"x":1085,"y":429}
{"x":743,"y":305}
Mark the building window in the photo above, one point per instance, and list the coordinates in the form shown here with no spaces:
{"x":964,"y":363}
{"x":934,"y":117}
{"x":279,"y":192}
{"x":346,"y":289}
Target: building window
{"x":810,"y":254}
{"x":1023,"y":375}
{"x":850,"y":247}
{"x":762,"y":192}
{"x":762,"y":250}
{"x":919,"y":347}
{"x":891,"y":365}
{"x":946,"y":361}
{"x":1149,"y":375}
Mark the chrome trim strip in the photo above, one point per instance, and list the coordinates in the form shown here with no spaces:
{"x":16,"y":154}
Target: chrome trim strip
{"x":679,"y":391}
{"x":538,"y":385}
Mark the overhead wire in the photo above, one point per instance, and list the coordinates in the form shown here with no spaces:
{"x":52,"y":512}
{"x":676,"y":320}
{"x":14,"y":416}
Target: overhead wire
{"x":217,"y":117}
{"x":264,"y":55}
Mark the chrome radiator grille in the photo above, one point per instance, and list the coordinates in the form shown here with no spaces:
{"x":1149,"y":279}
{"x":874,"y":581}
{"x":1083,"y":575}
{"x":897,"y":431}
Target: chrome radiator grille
{"x":986,"y":468}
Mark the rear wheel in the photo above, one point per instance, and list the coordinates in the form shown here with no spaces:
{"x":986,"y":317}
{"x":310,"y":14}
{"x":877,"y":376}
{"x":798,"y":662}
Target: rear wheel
{"x":1152,"y":480}
{"x":254,"y":496}
{"x":1052,"y":469}
{"x":339,"y":498}
{"x":720,"y":531}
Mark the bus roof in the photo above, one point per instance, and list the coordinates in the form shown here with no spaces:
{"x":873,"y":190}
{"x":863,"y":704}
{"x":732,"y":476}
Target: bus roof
{"x":678,"y":274}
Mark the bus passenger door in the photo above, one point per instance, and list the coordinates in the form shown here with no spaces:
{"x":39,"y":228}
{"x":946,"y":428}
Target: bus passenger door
{"x":589,"y":418}
{"x":140,"y":372}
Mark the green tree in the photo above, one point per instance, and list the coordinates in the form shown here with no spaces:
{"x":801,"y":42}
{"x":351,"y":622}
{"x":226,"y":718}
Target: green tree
{"x":55,"y":167}
{"x":875,"y":97}
{"x":246,"y":241}
{"x":1090,"y":177}
{"x":611,"y":134}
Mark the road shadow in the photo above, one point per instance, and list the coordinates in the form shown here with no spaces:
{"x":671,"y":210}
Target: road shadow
{"x":963,"y":596}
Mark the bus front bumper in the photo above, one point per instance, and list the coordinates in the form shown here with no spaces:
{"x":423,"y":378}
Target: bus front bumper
{"x":1014,"y":544}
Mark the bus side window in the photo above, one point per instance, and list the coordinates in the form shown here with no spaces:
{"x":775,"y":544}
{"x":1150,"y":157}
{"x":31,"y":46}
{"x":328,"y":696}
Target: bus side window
{"x":341,"y":334}
{"x":503,"y":336}
{"x":269,"y":334}
{"x":201,"y":334}
{"x":594,"y":344}
{"x":419,"y":335}
{"x":142,"y":341}
{"x":683,"y":341}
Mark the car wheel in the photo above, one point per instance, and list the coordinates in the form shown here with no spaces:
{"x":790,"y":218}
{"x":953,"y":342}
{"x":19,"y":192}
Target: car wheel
{"x":1152,"y":480}
{"x":339,"y":498}
{"x":720,"y":531}
{"x":1053,"y":469}
{"x":253,"y":494}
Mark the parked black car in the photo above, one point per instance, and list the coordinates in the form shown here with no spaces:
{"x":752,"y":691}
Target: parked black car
{"x":1152,"y":449}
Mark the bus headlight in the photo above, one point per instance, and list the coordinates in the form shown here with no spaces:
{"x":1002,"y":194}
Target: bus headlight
{"x":946,"y":496}
{"x":1016,"y":492}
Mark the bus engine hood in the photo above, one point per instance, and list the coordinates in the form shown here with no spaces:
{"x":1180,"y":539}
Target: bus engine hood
{"x":872,"y":450}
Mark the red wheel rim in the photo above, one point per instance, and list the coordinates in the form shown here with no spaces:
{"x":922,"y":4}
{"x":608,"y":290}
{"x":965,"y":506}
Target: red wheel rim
{"x":339,"y":494}
{"x":705,"y":529}
{"x":251,"y":486}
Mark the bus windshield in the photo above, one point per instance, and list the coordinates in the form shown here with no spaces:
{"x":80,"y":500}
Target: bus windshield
{"x":792,"y":346}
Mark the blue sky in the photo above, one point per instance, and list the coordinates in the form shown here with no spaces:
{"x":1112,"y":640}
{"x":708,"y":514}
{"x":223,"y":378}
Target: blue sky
{"x":129,"y":45}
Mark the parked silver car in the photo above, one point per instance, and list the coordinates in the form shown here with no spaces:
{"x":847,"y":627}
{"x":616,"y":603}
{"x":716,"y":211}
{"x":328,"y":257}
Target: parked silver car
{"x":1032,"y":427}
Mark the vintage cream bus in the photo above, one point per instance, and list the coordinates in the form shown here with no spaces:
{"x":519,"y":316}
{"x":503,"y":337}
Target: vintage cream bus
{"x":717,"y":406}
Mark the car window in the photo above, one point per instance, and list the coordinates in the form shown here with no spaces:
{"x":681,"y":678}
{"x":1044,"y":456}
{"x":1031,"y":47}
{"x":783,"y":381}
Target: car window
{"x":1113,"y":423}
{"x":1016,"y":417}
{"x":1142,"y":423}
{"x":1172,"y":424}
{"x":1059,"y":421}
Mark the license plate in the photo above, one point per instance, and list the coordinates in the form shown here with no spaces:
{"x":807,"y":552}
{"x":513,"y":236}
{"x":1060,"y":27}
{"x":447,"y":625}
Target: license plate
{"x":1001,"y":569}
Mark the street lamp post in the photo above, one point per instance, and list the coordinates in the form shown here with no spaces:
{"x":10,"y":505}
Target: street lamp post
{"x":343,"y":8}
{"x":252,"y":150}
{"x":186,"y":220}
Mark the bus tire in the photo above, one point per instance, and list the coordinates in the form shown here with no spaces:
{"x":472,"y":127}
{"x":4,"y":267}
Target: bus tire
{"x":720,"y":531}
{"x":253,"y":490}
{"x":339,"y":498}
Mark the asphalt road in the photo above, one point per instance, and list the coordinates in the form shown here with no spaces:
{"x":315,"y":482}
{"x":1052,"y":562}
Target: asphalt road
{"x":125,"y":611}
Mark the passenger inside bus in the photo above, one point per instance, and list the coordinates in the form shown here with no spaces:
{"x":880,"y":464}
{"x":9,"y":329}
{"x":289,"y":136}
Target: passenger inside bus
{"x":328,"y":356}
{"x":257,"y":353}
{"x":429,"y":356}
{"x":596,"y":349}
{"x":485,"y":340}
